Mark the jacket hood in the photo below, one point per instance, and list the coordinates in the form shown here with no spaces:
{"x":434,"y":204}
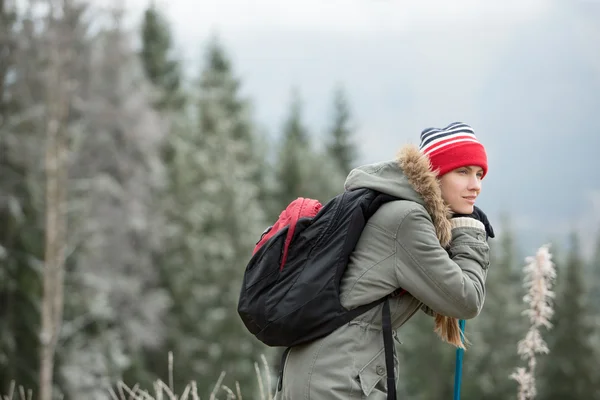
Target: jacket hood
{"x":408,"y":177}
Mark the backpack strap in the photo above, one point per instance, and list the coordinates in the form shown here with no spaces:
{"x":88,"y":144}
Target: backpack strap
{"x":281,"y":365}
{"x":386,"y":319}
{"x":388,"y":344}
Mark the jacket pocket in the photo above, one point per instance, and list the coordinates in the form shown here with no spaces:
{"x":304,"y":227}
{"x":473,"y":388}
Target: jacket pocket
{"x":373,"y":375}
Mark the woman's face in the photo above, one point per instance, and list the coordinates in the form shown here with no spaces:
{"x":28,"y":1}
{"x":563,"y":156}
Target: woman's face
{"x":461,"y":187}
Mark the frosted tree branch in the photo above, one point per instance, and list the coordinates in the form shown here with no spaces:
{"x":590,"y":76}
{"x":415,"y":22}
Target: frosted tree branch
{"x":539,"y":276}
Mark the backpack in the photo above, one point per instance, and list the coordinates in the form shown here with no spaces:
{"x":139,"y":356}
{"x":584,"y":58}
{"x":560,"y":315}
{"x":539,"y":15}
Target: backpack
{"x":291,"y":285}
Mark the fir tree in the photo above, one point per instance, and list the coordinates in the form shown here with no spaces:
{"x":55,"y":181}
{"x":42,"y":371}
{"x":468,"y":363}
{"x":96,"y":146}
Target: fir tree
{"x":21,"y":254}
{"x":291,"y":163}
{"x":339,"y":144}
{"x":159,"y":66}
{"x":594,"y":302}
{"x":115,"y":307}
{"x":301,"y":171}
{"x":594,"y":278}
{"x":215,"y":220}
{"x":21,"y":215}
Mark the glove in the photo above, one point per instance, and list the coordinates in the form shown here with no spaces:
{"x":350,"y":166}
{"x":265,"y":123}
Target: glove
{"x":480,"y":216}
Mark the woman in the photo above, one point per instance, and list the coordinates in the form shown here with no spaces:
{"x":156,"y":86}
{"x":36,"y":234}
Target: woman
{"x":432,"y":244}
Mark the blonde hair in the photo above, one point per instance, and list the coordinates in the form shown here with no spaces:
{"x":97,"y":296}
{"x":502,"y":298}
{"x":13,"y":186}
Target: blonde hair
{"x":448,"y":330}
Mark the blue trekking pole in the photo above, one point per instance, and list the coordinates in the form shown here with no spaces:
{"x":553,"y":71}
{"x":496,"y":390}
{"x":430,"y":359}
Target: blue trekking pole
{"x":459,"y":359}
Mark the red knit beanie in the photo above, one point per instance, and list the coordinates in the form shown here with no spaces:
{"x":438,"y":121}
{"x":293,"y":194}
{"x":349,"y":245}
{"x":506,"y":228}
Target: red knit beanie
{"x":453,"y":147}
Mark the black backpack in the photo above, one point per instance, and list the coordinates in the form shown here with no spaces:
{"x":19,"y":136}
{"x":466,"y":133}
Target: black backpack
{"x":300,"y":302}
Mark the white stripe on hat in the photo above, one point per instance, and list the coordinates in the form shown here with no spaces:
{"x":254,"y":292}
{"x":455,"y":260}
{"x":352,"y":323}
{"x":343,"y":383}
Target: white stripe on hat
{"x":430,"y":149}
{"x":427,"y":136}
{"x":440,"y":137}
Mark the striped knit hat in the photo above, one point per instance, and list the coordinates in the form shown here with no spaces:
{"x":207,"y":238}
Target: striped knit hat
{"x":453,"y":147}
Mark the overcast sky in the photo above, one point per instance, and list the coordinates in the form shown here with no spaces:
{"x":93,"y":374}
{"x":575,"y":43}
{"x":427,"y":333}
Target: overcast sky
{"x":314,"y":44}
{"x":197,"y":17}
{"x":410,"y":65}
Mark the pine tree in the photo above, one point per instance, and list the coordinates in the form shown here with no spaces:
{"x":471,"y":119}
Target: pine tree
{"x":339,"y":144}
{"x":593,"y":273}
{"x":569,"y":369}
{"x":159,"y":66}
{"x":301,"y":171}
{"x":292,"y":163}
{"x":594,"y":302}
{"x":115,"y":306}
{"x":214,"y":220}
{"x":8,"y":44}
{"x":21,"y":215}
{"x":21,"y":255}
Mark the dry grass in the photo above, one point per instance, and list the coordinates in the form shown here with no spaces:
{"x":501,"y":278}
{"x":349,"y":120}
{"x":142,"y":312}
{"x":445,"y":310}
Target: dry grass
{"x":21,"y":394}
{"x":164,"y":391}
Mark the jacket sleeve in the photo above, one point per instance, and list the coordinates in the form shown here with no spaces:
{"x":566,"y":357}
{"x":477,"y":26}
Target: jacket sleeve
{"x":450,"y":282}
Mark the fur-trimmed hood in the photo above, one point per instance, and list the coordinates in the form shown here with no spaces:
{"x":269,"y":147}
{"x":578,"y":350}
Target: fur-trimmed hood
{"x":408,"y":177}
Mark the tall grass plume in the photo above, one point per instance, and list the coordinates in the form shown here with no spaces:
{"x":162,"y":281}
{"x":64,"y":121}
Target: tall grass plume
{"x":539,"y":276}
